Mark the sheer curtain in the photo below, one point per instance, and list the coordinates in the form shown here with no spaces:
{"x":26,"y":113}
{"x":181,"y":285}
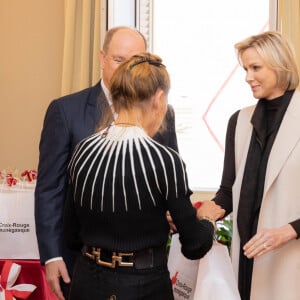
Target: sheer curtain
{"x":81,"y":67}
{"x":288,"y":23}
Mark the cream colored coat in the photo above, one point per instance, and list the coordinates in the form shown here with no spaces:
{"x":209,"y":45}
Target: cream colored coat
{"x":276,"y":274}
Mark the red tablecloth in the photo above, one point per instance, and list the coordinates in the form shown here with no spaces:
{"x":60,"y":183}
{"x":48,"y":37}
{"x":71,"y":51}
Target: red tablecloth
{"x":33,"y":273}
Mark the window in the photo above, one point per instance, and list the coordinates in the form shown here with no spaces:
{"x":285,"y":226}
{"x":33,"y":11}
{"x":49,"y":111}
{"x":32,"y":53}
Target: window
{"x":196,"y":41}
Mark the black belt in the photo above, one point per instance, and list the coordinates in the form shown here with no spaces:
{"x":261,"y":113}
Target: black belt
{"x":144,"y":259}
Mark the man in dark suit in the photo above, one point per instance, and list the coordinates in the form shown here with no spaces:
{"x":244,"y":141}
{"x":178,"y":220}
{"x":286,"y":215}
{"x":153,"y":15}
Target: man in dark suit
{"x":68,"y":120}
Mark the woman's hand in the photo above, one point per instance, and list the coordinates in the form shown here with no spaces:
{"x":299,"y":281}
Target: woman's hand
{"x":206,"y":209}
{"x":209,"y":209}
{"x":268,"y":239}
{"x":170,"y":220}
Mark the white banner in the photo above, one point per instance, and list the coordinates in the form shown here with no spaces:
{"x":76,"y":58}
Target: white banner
{"x":17,"y":225}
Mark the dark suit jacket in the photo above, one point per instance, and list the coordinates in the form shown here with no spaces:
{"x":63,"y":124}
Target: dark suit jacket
{"x":68,"y":120}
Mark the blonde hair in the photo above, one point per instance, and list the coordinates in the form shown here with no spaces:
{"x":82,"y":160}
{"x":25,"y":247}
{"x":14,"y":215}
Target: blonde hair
{"x":277,"y":53}
{"x":137,"y":80}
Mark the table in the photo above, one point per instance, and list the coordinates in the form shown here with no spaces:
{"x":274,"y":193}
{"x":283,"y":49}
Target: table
{"x":18,"y":238}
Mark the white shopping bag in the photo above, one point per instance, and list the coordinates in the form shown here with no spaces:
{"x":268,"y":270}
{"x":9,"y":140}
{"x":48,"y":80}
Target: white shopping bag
{"x":17,"y":225}
{"x":210,"y":278}
{"x":183,"y":271}
{"x":215,"y":278}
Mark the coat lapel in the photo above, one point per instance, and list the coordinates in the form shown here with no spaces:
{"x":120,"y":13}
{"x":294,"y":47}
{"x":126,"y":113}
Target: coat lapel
{"x":97,"y":105}
{"x":286,"y":139}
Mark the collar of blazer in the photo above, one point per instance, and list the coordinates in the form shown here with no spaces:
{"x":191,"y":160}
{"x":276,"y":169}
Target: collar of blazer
{"x":287,"y":137}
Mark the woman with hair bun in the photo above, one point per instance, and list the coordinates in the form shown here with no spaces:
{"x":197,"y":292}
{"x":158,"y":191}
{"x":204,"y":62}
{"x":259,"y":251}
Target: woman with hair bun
{"x":123,"y":183}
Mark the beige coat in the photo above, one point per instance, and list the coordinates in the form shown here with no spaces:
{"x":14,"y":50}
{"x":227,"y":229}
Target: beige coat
{"x":276,"y":275}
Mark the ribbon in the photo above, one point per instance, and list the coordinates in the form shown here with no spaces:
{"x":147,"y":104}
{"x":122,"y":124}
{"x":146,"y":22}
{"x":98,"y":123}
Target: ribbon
{"x":9,"y":275}
{"x":33,"y":174}
{"x":11,"y":180}
{"x":30,"y":174}
{"x":197,"y":204}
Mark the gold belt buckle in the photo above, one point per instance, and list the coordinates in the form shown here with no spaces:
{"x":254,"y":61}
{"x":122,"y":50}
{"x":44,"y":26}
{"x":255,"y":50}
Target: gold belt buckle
{"x":96,"y":255}
{"x":119,"y":259}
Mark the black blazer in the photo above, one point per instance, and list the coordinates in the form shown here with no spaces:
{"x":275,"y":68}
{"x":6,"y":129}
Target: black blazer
{"x":68,"y":120}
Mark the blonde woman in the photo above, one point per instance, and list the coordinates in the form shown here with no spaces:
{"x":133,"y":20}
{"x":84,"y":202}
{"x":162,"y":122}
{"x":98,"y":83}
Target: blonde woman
{"x":260,"y":182}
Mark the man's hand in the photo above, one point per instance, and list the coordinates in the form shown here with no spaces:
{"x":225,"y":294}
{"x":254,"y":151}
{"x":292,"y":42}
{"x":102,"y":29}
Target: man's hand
{"x":55,"y":270}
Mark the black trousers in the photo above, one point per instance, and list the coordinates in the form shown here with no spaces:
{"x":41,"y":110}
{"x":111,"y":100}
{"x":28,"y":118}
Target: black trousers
{"x":91,"y":281}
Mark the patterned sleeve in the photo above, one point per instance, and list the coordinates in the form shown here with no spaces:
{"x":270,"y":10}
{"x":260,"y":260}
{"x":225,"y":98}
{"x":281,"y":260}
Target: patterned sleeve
{"x":196,"y":236}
